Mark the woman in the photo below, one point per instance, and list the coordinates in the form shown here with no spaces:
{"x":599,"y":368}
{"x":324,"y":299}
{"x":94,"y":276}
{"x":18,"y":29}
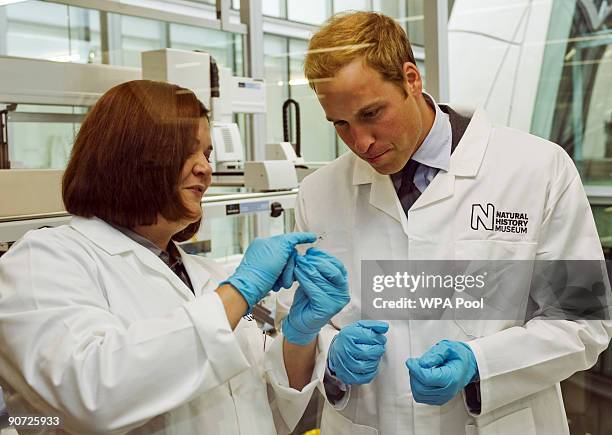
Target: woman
{"x":109,"y":324}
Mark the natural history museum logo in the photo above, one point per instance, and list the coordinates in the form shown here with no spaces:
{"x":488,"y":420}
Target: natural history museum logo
{"x":487,"y":217}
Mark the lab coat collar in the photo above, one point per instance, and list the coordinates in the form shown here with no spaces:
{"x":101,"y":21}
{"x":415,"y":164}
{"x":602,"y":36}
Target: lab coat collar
{"x":104,"y":235}
{"x":115,"y":242}
{"x":468,"y":156}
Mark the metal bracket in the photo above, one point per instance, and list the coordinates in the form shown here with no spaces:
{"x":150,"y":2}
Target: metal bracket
{"x":4,"y":136}
{"x":223,"y":15}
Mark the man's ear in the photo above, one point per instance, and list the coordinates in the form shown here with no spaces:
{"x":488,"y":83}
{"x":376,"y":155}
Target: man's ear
{"x":412,"y":78}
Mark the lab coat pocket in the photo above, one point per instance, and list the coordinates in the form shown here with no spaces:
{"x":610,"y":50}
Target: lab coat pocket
{"x":506,"y":269}
{"x":519,"y":422}
{"x":494,"y":250}
{"x":334,"y":423}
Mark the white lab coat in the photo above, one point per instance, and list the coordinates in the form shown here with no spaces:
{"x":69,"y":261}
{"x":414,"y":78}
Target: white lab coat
{"x":96,"y":327}
{"x":359,"y":216}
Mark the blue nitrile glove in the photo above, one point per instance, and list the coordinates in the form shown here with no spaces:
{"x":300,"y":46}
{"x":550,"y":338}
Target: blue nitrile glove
{"x":442,"y":372}
{"x":322,"y":293}
{"x":355,"y":352}
{"x":267,"y":265}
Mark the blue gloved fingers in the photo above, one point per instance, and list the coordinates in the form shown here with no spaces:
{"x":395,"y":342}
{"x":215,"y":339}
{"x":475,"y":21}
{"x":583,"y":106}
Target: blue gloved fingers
{"x":350,"y":375}
{"x":433,"y":377}
{"x":441,"y":382}
{"x":369,"y":337}
{"x":423,"y":394}
{"x":317,"y":287}
{"x":432,"y":395}
{"x":435,"y":386}
{"x":377,"y":326}
{"x":298,"y":238}
{"x":319,"y":271}
{"x":309,"y":279}
{"x":286,"y":279}
{"x":367,"y":352}
{"x":357,"y":365}
{"x":365,"y":367}
{"x":361,"y":335}
{"x":421,"y":389}
{"x":328,"y":270}
{"x":436,"y":355}
{"x":315,"y":252}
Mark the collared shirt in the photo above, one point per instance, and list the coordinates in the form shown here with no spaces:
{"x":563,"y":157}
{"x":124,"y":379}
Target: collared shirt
{"x":434,"y":153}
{"x":172,"y":258}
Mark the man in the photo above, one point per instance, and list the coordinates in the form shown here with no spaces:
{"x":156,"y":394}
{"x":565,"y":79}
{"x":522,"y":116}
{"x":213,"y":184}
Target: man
{"x":406,"y":192}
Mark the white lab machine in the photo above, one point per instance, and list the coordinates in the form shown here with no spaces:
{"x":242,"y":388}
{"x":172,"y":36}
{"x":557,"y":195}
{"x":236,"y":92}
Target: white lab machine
{"x":189,"y":69}
{"x":228,"y":152}
{"x":283,"y":151}
{"x":270,"y":175}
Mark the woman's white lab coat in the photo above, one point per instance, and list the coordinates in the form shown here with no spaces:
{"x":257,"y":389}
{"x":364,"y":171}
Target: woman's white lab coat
{"x":361,"y":218}
{"x":96,"y":327}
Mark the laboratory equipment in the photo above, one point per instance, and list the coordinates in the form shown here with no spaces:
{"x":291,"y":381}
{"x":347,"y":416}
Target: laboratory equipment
{"x":270,"y":175}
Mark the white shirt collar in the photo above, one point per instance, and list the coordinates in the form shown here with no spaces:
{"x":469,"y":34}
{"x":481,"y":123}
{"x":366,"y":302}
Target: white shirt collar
{"x":435,"y":151}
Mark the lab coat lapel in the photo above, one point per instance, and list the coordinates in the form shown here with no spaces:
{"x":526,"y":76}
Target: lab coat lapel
{"x":441,"y":187}
{"x":154,"y":263}
{"x":199,"y":276}
{"x":465,"y":161}
{"x":467,"y":158}
{"x":116,"y":243}
{"x":382,"y":193}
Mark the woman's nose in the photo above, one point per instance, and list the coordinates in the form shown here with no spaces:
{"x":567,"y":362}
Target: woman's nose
{"x":202,"y":167}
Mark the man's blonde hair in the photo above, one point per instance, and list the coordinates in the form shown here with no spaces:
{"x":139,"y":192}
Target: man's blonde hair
{"x":377,"y":38}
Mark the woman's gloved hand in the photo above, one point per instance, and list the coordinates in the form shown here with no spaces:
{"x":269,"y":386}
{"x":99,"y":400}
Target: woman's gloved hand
{"x":355,"y":352}
{"x":442,"y":372}
{"x":322,"y":293}
{"x":267,"y":265}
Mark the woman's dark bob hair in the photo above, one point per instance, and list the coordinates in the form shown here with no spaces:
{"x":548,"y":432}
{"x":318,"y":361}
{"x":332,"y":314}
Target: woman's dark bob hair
{"x":126,"y":162}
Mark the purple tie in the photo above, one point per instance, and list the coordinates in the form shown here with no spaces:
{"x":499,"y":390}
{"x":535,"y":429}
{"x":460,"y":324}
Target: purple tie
{"x":408,"y":193}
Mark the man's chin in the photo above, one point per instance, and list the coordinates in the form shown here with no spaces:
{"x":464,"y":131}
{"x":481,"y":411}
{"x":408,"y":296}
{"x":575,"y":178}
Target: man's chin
{"x":387,"y":169}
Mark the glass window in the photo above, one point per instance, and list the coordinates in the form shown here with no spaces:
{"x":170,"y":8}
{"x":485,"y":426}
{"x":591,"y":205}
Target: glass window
{"x":52,"y":31}
{"x":355,"y":5}
{"x":582,"y":113}
{"x":138,"y":35}
{"x":272,"y":8}
{"x":414,"y":22}
{"x":42,"y":145}
{"x":277,"y":87}
{"x":239,"y":55}
{"x":312,"y":12}
{"x":318,"y":137}
{"x":215,"y":42}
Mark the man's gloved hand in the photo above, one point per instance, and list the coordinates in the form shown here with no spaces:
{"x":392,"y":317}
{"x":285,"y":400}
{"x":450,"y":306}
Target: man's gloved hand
{"x":267,"y":265}
{"x":355,"y":352}
{"x":322,"y":293}
{"x":442,"y":372}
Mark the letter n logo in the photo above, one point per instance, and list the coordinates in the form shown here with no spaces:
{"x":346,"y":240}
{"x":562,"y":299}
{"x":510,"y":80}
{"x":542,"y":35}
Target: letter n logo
{"x":483,"y":217}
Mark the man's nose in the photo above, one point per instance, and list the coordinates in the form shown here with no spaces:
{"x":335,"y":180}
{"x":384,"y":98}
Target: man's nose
{"x":362,"y":139}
